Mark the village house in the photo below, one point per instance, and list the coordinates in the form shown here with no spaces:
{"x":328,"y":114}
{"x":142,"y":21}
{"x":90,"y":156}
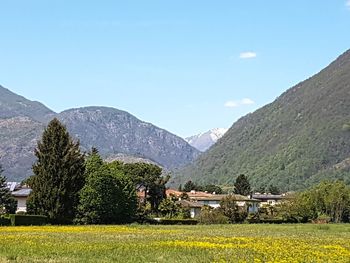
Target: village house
{"x":21,"y":194}
{"x":269,"y":199}
{"x":213,"y":200}
{"x":194,"y":207}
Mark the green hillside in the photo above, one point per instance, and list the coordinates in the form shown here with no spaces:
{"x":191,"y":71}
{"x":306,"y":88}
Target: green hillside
{"x":298,"y":140}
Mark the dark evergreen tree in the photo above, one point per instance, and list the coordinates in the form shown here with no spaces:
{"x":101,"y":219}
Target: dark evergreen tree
{"x":242,"y":185}
{"x":58,"y":175}
{"x":93,"y":162}
{"x":8,"y":204}
{"x":273,"y":190}
{"x":189,"y":186}
{"x":211,"y":188}
{"x":156,"y":192}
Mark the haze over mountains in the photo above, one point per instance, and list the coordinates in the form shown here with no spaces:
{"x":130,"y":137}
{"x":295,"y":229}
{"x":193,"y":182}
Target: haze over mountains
{"x":204,"y":141}
{"x":300,"y":139}
{"x":117,"y":134}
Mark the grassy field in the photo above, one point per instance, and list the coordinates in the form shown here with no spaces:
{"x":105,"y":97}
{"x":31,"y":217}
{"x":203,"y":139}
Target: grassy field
{"x":230,"y":243}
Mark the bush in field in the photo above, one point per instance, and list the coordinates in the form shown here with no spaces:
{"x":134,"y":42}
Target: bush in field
{"x":231,"y":210}
{"x":170,"y":209}
{"x":210,"y":216}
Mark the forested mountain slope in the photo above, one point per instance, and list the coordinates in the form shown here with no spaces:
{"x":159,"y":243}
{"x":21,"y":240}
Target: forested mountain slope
{"x":297,"y":140}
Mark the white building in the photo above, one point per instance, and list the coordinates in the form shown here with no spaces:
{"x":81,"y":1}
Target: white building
{"x":21,"y":195}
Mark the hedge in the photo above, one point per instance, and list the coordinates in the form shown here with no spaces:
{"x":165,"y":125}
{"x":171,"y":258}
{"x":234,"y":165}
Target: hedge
{"x":28,"y":220}
{"x":5,"y":221}
{"x":271,"y":221}
{"x":177,"y":222}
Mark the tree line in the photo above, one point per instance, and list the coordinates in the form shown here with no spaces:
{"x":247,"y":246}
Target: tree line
{"x":71,"y":187}
{"x":241,"y":186}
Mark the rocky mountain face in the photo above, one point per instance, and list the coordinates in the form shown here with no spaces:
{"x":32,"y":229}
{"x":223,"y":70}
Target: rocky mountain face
{"x":117,"y":134}
{"x":13,"y":105}
{"x":114,"y":131}
{"x":301,"y":138}
{"x":204,"y":141}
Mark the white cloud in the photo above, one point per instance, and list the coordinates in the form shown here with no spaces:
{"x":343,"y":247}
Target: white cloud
{"x":247,"y":101}
{"x":247,"y":55}
{"x":347,"y":4}
{"x":237,"y":103}
{"x":231,"y":104}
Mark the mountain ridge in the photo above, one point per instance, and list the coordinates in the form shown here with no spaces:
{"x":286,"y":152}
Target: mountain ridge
{"x":114,"y":132}
{"x":289,"y":142}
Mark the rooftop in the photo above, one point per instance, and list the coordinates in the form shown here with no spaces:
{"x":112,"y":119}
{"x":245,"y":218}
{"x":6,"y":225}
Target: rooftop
{"x":186,"y":203}
{"x":25,"y":192}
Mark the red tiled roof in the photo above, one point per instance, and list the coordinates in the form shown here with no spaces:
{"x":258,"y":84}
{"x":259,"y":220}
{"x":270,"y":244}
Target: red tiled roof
{"x":173,"y":192}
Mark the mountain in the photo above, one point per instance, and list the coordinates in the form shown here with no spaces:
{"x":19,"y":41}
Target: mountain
{"x":117,"y":134}
{"x":299,"y":139}
{"x":13,"y":105}
{"x":21,"y":123}
{"x":18,"y":139}
{"x":113,"y":131}
{"x":204,"y":141}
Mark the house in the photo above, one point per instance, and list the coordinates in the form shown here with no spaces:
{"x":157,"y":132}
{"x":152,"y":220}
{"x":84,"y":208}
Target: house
{"x":269,"y":199}
{"x":252,"y":205}
{"x":206,"y":199}
{"x":213,"y":200}
{"x":173,"y":193}
{"x":21,"y":195}
{"x":12,"y":186}
{"x":194,"y":207}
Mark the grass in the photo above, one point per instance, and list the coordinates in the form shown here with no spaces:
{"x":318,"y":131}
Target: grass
{"x":229,"y":243}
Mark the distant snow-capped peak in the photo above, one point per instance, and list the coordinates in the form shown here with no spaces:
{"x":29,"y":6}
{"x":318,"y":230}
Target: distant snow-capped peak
{"x":204,"y":141}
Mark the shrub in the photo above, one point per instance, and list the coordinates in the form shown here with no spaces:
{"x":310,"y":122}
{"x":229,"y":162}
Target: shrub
{"x":232,"y":211}
{"x":177,"y":222}
{"x":28,"y":220}
{"x":5,"y":221}
{"x":212,"y":216}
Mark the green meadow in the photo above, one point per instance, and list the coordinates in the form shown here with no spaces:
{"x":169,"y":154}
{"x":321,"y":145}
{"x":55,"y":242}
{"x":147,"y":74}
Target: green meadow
{"x":143,"y":243}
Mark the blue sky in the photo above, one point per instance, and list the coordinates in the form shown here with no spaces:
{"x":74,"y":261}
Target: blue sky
{"x":185,"y":65}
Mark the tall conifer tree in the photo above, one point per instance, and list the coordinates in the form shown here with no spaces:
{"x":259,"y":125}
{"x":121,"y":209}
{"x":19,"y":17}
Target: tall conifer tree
{"x":242,"y":185}
{"x":58,"y":175}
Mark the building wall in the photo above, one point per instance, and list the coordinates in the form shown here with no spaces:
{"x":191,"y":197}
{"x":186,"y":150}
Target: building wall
{"x":253,"y":208}
{"x":195,"y":211}
{"x":213,"y":204}
{"x":21,"y":204}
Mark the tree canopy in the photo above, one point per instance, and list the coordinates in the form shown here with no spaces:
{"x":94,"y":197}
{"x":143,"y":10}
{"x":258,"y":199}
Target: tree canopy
{"x":108,"y":196}
{"x":242,"y":185}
